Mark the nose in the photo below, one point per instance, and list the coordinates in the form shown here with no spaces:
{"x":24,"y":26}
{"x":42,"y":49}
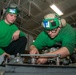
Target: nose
{"x":49,"y":32}
{"x":13,"y":16}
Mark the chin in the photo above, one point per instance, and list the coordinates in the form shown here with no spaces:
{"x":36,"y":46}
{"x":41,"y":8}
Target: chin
{"x":52,"y":37}
{"x":11,"y":22}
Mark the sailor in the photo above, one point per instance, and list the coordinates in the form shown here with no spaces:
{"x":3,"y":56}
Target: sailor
{"x":55,"y":30}
{"x":12,"y":40}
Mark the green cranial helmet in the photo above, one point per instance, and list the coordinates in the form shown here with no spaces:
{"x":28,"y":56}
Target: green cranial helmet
{"x":13,"y":9}
{"x":51,"y":21}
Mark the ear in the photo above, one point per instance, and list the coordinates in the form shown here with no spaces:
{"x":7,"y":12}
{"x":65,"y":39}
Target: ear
{"x":42,"y":24}
{"x":63,"y":22}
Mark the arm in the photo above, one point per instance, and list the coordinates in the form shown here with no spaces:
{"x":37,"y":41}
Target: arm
{"x":62,"y":51}
{"x":16,"y":32}
{"x":15,"y":35}
{"x":38,"y":44}
{"x":33,"y":50}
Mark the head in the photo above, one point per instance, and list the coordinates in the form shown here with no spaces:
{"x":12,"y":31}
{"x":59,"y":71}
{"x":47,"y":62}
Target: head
{"x":11,"y":13}
{"x":52,"y":24}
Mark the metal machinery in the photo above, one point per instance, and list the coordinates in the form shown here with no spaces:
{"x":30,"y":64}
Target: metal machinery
{"x":17,"y":65}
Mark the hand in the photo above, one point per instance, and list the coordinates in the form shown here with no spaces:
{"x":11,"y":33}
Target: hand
{"x":6,"y":54}
{"x":34,"y":51}
{"x":42,"y":60}
{"x":16,"y":35}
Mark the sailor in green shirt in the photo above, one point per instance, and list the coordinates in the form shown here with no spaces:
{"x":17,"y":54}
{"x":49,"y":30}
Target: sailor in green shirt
{"x":55,"y":30}
{"x":12,"y":40}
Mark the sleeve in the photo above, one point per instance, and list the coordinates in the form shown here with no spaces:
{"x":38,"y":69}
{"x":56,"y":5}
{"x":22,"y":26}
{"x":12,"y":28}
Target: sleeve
{"x":15,"y":28}
{"x":69,"y":41}
{"x":1,"y":51}
{"x":40,"y":42}
{"x":22,"y":33}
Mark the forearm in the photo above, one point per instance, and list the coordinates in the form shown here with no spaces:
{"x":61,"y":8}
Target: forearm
{"x":62,"y":51}
{"x":32,"y":47}
{"x":33,"y":50}
{"x":18,"y":31}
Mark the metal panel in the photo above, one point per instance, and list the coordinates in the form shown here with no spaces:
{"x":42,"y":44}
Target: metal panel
{"x":41,"y":70}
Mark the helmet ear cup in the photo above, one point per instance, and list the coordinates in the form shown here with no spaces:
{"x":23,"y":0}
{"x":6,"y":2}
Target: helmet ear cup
{"x":63,"y":23}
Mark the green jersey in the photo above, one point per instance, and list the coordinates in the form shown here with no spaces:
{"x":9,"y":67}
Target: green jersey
{"x":66,"y":36}
{"x":6,"y":32}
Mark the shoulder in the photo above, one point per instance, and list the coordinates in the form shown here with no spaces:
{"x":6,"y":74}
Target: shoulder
{"x":68,"y":26}
{"x":67,"y":29}
{"x":43,"y":34}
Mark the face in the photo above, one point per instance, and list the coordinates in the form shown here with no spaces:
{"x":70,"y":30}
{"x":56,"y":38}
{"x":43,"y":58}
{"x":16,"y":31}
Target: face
{"x":10,"y":18}
{"x":53,"y":33}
